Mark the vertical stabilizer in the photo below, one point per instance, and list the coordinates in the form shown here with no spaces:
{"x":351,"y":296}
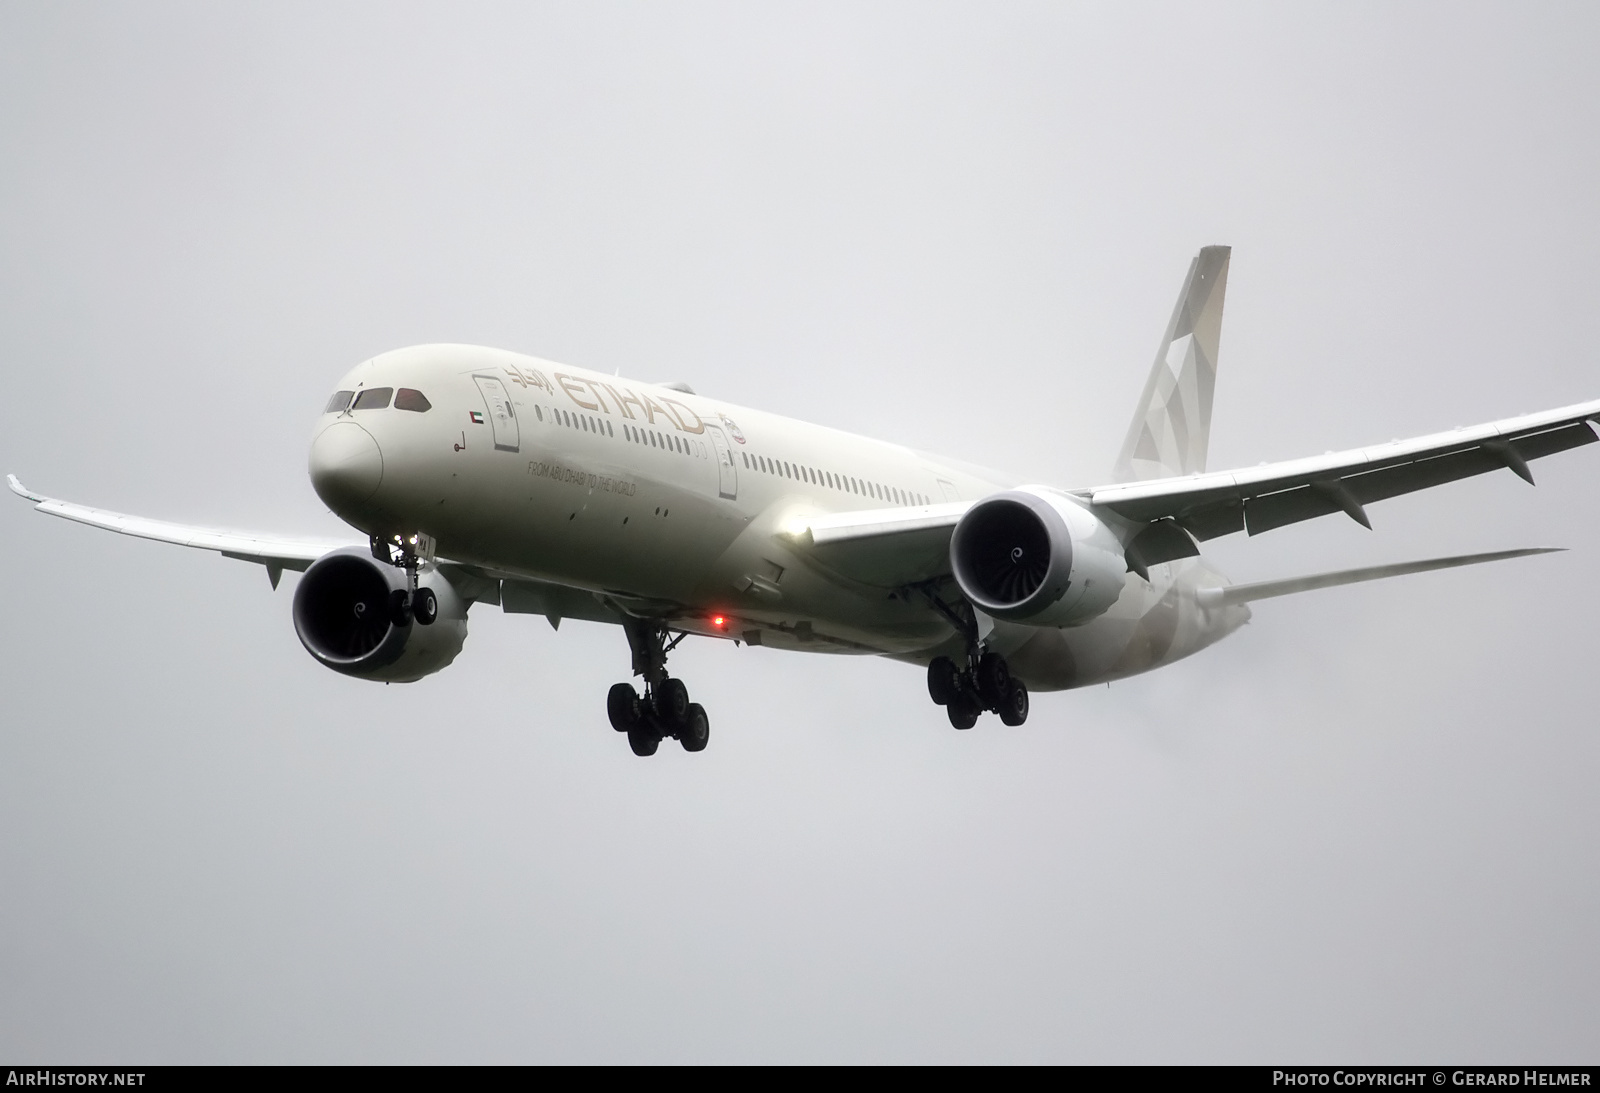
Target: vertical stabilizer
{"x":1172,"y":427}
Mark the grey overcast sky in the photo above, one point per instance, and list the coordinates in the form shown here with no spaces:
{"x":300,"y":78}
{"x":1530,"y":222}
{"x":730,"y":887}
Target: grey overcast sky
{"x":1363,"y":828}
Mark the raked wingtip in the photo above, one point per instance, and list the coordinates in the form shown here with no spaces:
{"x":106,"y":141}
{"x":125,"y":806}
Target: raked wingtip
{"x":22,"y":491}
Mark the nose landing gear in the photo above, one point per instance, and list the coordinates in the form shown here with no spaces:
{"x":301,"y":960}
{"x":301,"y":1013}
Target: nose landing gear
{"x":664,"y":709}
{"x":410,"y":603}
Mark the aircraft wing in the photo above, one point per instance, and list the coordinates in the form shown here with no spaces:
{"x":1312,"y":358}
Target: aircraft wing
{"x":1277,"y":494}
{"x":884,"y":547}
{"x":895,"y":547}
{"x":277,"y":553}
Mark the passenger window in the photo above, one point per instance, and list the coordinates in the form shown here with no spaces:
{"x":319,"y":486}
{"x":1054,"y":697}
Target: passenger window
{"x":407,"y":399}
{"x":537,"y":412}
{"x":374,"y":398}
{"x":338,"y":402}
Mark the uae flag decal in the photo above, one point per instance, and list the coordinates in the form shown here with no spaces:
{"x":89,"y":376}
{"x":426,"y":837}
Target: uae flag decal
{"x":477,"y":418}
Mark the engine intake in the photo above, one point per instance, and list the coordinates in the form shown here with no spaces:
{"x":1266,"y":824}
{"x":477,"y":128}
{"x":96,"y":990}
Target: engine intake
{"x":1034,"y":556}
{"x":341,"y":614}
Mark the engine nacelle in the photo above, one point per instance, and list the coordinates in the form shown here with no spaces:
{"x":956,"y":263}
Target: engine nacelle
{"x":1035,"y":556}
{"x":341,"y":612}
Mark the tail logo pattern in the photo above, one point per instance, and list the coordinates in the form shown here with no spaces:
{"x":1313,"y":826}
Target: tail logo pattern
{"x":1172,"y":428}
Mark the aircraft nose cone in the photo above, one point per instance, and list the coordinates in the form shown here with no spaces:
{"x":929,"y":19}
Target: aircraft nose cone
{"x":346,"y":466}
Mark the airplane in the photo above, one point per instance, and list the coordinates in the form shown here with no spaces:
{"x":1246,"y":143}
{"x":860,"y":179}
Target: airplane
{"x":479,"y":475}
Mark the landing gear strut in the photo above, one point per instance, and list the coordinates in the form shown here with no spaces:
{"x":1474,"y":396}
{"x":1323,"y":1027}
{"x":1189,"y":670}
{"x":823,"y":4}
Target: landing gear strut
{"x":410,"y":603}
{"x":983,"y":683}
{"x":664,"y":709}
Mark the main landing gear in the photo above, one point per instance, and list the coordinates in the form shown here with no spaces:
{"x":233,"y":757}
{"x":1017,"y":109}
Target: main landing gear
{"x":985,"y":684}
{"x":664,"y":709}
{"x":408,"y":604}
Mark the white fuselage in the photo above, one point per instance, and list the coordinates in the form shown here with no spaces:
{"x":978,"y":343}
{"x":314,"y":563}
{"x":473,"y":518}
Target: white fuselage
{"x":650,"y":498}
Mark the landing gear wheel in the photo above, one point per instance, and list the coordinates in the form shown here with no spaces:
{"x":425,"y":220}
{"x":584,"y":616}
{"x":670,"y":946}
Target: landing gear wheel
{"x":624,"y":708}
{"x":1014,"y":710}
{"x":643,"y":741}
{"x":696,"y":729}
{"x":424,"y":606}
{"x":944,"y":684}
{"x":993,"y":679}
{"x":400,"y":607}
{"x":672,"y":701}
{"x":963,"y":714}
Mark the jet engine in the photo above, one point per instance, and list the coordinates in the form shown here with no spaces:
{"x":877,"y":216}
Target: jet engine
{"x":1035,"y":556}
{"x":342,"y":614}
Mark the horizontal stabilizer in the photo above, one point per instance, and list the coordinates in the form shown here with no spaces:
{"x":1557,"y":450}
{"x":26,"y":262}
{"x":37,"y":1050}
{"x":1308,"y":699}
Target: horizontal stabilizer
{"x":1244,"y":593}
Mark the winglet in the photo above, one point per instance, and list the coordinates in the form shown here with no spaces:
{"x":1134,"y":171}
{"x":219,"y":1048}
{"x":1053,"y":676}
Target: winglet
{"x":23,"y":491}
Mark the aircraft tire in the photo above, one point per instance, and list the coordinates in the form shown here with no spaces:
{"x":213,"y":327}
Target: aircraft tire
{"x":696,"y":731}
{"x":672,"y":701}
{"x":963,"y":713}
{"x":993,"y":679}
{"x":944,"y":684}
{"x":1014,"y":710}
{"x":623,"y":707}
{"x":424,"y":606}
{"x":643,"y":741}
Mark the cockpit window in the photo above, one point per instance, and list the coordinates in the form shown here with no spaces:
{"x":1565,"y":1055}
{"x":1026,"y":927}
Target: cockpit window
{"x":407,"y":399}
{"x":373,"y":398}
{"x":338,"y":402}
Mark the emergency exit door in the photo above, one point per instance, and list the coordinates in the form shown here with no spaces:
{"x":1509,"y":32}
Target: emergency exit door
{"x":727,"y":474}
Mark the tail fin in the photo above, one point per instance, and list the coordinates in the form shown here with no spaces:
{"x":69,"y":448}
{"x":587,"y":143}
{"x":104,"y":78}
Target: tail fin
{"x":1172,"y":428}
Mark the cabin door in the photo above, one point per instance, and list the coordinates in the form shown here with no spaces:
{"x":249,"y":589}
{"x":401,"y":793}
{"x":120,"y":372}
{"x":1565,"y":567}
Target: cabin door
{"x":502,"y":418}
